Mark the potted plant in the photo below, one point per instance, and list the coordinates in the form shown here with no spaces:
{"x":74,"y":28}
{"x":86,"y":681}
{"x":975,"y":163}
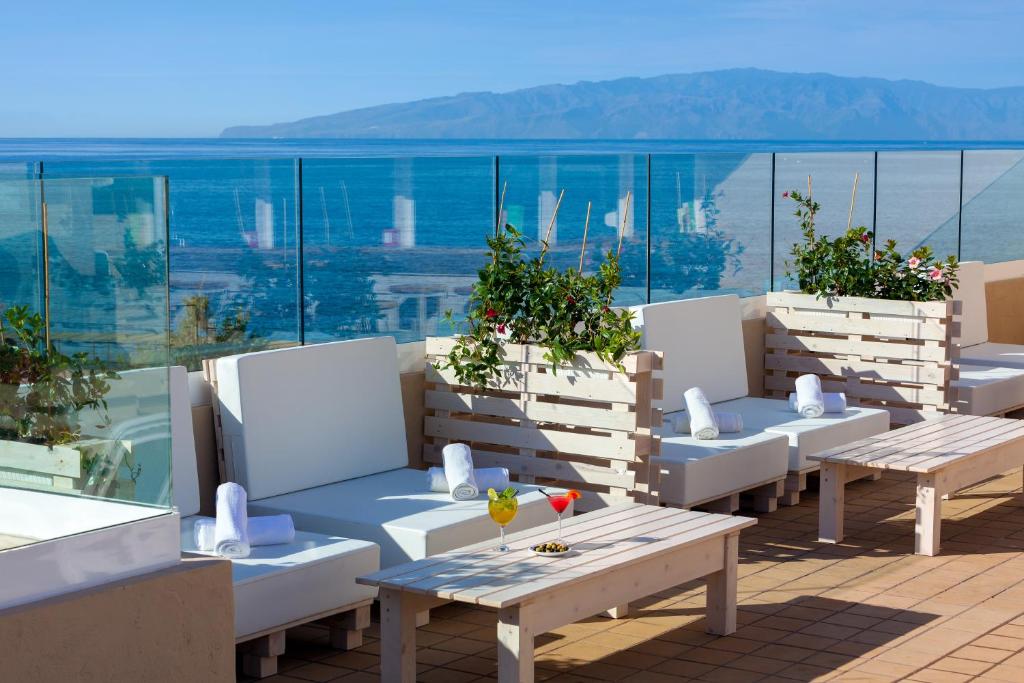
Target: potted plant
{"x":870,"y":322}
{"x":43,"y":395}
{"x":547,"y":377}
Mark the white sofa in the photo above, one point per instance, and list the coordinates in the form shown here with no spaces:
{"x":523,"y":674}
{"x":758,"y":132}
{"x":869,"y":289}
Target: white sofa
{"x":702,"y":340}
{"x":277,"y":586}
{"x":318,"y":432}
{"x":991,"y":375}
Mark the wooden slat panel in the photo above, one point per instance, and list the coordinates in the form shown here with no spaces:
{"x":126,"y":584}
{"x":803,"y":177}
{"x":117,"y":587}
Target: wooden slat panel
{"x":61,"y":461}
{"x":877,"y":392}
{"x":878,"y":327}
{"x":901,"y":372}
{"x":581,"y":416}
{"x":538,"y":439}
{"x":616,"y":389}
{"x":927,"y":309}
{"x":640,"y":361}
{"x":548,"y":468}
{"x":876,"y":349}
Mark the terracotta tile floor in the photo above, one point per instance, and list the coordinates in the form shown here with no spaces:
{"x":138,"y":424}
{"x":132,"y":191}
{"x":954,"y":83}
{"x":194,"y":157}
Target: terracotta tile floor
{"x":865,"y":610}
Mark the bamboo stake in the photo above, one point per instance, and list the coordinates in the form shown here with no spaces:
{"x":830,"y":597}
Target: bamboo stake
{"x":622,"y":228}
{"x":586,"y":227}
{"x":853,"y":201}
{"x":551,"y":225}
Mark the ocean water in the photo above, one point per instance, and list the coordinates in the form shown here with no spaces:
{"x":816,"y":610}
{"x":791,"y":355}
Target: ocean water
{"x":381,"y":237}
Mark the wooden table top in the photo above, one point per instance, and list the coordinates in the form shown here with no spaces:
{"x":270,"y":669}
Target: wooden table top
{"x":601,"y":541}
{"x":927,"y":446}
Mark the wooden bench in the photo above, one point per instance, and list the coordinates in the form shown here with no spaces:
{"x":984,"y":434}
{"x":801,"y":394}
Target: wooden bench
{"x":947,"y":454}
{"x":619,"y":554}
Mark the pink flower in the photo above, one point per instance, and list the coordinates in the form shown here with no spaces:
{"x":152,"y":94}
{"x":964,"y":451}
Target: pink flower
{"x":501,"y":328}
{"x":913,"y":262}
{"x":935,"y":274}
{"x":785,"y":194}
{"x":865,"y":238}
{"x":491,"y":314}
{"x":570,"y":299}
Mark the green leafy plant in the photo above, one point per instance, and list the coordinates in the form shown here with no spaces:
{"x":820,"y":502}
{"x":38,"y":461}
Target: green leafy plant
{"x":847,"y":265}
{"x":521,"y":300}
{"x":43,"y":391}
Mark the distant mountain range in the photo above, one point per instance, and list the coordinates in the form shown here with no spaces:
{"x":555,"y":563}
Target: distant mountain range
{"x":715,"y":105}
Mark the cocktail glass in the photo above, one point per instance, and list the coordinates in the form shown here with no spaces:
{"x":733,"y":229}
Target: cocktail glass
{"x":560,"y":503}
{"x":503,"y":511}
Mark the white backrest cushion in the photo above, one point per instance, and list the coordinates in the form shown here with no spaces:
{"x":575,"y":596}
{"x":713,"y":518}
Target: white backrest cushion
{"x":702,"y":340}
{"x":971,"y":291}
{"x":312,"y":415}
{"x":184,"y":469}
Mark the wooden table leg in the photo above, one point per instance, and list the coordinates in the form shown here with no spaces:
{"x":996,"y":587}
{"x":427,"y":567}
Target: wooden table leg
{"x":515,"y":647}
{"x":833,"y":499}
{"x":928,"y":523}
{"x":721,"y":593}
{"x":398,"y":637}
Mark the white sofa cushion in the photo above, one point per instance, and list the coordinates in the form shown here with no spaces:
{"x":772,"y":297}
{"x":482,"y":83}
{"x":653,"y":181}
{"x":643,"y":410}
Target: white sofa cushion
{"x":971,"y":291}
{"x":702,"y":340}
{"x":184,"y":468}
{"x":988,"y":390}
{"x":395,"y":510}
{"x":807,"y":435}
{"x":280,"y":584}
{"x":694,"y":471}
{"x":311,"y":415}
{"x":994,"y":354}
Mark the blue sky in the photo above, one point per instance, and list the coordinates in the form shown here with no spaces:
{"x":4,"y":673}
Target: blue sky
{"x":143,"y":68}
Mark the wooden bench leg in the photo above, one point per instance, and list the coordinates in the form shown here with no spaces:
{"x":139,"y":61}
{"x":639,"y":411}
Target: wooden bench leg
{"x":928,"y":521}
{"x":795,"y":483}
{"x":724,"y":506}
{"x":259,"y":656}
{"x":619,"y":611}
{"x":721,"y":593}
{"x":833,"y":499}
{"x":398,"y":637}
{"x":766,"y":498}
{"x":347,"y":629}
{"x":515,"y":647}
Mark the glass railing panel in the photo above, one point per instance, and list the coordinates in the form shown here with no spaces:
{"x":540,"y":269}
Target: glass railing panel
{"x":710,"y":225}
{"x":919,"y":200}
{"x":76,"y":418}
{"x":233,"y":250}
{"x":21,"y":244}
{"x":533,"y":187}
{"x":18,"y":170}
{"x":833,"y":175}
{"x":391,"y":244}
{"x":993,"y":206}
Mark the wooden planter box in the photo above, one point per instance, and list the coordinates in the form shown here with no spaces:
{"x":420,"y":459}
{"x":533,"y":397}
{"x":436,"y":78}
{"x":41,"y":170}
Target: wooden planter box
{"x":586,"y":426}
{"x":60,"y":467}
{"x":897,"y":355}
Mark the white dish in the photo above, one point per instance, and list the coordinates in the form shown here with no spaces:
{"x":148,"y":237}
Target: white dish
{"x":549,"y":554}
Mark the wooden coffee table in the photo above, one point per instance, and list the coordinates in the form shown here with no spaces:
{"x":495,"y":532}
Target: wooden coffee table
{"x":947,"y":454}
{"x":620,"y":554}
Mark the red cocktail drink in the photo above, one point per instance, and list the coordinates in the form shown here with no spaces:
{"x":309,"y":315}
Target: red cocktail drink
{"x":560,"y":503}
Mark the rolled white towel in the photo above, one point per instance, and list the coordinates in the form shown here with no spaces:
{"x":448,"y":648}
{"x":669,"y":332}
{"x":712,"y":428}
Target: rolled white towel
{"x":458,"y":471}
{"x":266,"y":530}
{"x":835,"y":402}
{"x":486,"y":478}
{"x":728,"y":423}
{"x":231,"y":538}
{"x":810,"y":402}
{"x":702,"y":419}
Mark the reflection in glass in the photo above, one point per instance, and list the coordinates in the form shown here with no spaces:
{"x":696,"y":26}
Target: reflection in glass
{"x":391,"y":244}
{"x":233,"y":250}
{"x":833,"y":175}
{"x":533,"y":187}
{"x":710,"y":229}
{"x":84,"y":303}
{"x":993,"y":206}
{"x":919,"y":200}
